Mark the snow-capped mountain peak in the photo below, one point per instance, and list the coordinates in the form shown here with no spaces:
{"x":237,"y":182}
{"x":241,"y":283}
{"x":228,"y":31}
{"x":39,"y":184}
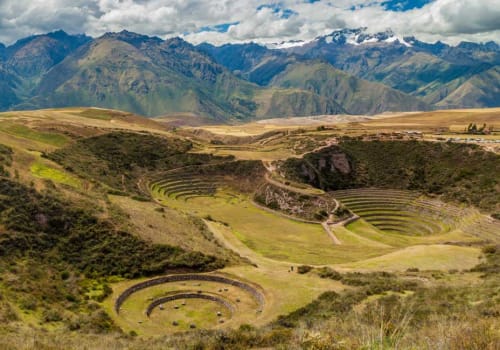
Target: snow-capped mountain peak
{"x":287,"y":44}
{"x":360,"y":36}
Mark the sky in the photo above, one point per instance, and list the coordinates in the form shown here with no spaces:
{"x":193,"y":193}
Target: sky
{"x":223,"y":21}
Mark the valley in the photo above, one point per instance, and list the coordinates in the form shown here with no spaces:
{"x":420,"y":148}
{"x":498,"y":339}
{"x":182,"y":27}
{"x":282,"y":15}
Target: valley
{"x":130,"y":232}
{"x":339,"y":73}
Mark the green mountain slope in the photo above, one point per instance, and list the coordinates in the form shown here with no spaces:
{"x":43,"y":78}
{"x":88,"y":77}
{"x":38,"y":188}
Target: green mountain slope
{"x":7,"y":89}
{"x":152,"y":77}
{"x":33,"y":56}
{"x":423,"y":70}
{"x":294,"y":102}
{"x":479,"y":91}
{"x":146,"y":76}
{"x":355,"y":95}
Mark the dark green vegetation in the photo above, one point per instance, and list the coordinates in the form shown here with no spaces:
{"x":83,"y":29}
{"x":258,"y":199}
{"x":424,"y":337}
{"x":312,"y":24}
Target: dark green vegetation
{"x":457,"y":172}
{"x":380,"y":311}
{"x":119,"y":159}
{"x":150,"y":76}
{"x":40,"y":225}
{"x":56,"y":258}
{"x":5,"y":159}
{"x":63,"y":248}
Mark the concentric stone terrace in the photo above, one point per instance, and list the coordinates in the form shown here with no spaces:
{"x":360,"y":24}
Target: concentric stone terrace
{"x":402,"y":212}
{"x":182,"y":302}
{"x":186,"y":184}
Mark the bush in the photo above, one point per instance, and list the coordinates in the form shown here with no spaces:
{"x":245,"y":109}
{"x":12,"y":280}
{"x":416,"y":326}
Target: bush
{"x":42,"y":224}
{"x":52,"y":316}
{"x":490,"y":249}
{"x":302,"y":269}
{"x":326,"y":272}
{"x":452,"y":170}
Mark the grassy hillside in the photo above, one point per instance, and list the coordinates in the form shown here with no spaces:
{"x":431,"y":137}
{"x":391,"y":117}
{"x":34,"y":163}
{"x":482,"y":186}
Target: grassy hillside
{"x":356,"y":96}
{"x":162,"y":77}
{"x":458,"y":172}
{"x":57,"y":257}
{"x":119,"y":159}
{"x":41,"y":225}
{"x":480,"y":90}
{"x":294,"y":102}
{"x":94,"y":201}
{"x":378,"y":310}
{"x":156,"y":78}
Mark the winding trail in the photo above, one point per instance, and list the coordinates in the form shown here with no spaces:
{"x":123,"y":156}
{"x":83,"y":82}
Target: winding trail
{"x":327,"y":224}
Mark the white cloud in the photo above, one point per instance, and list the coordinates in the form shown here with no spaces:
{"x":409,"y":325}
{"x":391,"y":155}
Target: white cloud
{"x":446,"y":20}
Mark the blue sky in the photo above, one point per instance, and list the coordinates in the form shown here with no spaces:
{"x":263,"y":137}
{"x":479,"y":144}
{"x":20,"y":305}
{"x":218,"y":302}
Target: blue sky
{"x":222,"y":21}
{"x":404,"y":5}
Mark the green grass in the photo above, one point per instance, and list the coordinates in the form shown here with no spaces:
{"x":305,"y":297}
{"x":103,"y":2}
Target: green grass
{"x":273,"y":236}
{"x":368,"y":231}
{"x":99,"y":114}
{"x":52,"y":139}
{"x":429,"y":257}
{"x":44,"y":171}
{"x":200,"y":312}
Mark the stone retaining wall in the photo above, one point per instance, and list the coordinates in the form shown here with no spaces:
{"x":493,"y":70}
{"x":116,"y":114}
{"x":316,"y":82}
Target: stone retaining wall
{"x":188,"y":277}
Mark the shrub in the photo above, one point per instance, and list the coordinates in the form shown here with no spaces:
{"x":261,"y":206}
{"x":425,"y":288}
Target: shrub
{"x":449,"y":169}
{"x":52,"y":316}
{"x":41,"y":224}
{"x":326,"y":272}
{"x":490,"y":249}
{"x":65,"y":275}
{"x":302,"y":269}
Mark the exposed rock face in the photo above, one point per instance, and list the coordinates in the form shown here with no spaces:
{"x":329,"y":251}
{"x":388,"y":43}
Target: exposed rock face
{"x":340,"y":162}
{"x":308,"y":172}
{"x":330,"y":168}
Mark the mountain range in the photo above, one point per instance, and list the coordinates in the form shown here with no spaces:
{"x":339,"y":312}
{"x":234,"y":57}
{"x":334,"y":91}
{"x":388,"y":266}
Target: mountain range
{"x":347,"y":72}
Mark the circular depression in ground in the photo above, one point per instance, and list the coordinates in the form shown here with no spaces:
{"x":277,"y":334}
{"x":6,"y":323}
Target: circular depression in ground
{"x":183,"y":302}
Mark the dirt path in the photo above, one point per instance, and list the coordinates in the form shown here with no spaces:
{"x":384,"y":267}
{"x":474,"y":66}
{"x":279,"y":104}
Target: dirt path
{"x":328,"y":225}
{"x":309,"y":192}
{"x":232,"y":242}
{"x":330,"y":233}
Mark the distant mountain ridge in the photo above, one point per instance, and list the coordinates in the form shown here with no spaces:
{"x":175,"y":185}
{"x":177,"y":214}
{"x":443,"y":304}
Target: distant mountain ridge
{"x":349,"y":71}
{"x":431,"y":72}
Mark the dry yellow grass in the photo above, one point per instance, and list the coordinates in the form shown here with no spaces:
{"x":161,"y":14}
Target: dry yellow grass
{"x":423,"y":257}
{"x":162,"y":225}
